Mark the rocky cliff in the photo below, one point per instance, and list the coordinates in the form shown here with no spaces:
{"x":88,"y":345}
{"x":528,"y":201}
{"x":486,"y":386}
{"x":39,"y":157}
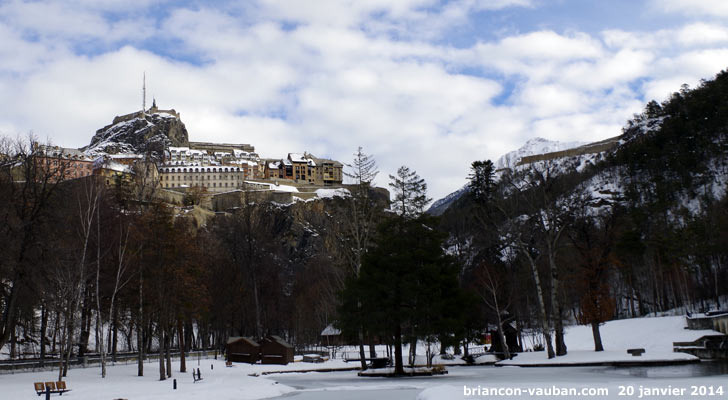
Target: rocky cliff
{"x":137,"y":133}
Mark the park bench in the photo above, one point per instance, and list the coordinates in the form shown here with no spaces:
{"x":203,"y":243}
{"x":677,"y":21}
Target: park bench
{"x":228,"y":363}
{"x":196,"y":375}
{"x":379,"y":362}
{"x":636,"y":352}
{"x":51,"y":388}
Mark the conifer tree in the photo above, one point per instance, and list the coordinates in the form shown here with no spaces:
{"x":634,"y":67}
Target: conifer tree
{"x":361,"y":221}
{"x":410,"y":193}
{"x":482,"y":180}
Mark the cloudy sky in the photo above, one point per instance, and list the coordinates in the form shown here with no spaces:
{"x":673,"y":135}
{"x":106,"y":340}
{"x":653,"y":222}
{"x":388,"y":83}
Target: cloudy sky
{"x":429,"y":84}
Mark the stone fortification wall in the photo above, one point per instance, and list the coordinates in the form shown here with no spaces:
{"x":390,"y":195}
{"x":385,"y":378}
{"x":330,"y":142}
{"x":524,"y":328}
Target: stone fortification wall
{"x":230,"y":200}
{"x":591,"y":148}
{"x":221,"y":147}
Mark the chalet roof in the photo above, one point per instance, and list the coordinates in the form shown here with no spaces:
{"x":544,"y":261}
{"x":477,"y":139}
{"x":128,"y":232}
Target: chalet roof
{"x":251,"y":342}
{"x":278,"y":340}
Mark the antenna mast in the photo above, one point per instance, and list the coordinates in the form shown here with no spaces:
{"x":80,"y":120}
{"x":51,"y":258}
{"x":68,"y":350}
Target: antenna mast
{"x":144,"y":93}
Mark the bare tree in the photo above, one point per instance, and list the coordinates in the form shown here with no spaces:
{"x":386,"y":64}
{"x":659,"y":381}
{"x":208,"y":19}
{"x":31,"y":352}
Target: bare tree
{"x":121,"y":278}
{"x":496,"y":295}
{"x":30,"y":175}
{"x":88,"y":199}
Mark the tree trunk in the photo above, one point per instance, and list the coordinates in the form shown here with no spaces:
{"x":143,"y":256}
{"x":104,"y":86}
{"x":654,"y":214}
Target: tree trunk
{"x":167,"y":350}
{"x":115,"y":332}
{"x":413,"y":351}
{"x":556,"y":309}
{"x":542,"y":306}
{"x":258,"y":324}
{"x":362,"y":354}
{"x":140,"y":326}
{"x":13,"y":341}
{"x":597,"y":336}
{"x":43,"y":327}
{"x":162,"y":373}
{"x":69,"y":343}
{"x":398,"y":366}
{"x":61,"y":350}
{"x":182,"y":347}
{"x":502,"y":335}
{"x":372,"y":349}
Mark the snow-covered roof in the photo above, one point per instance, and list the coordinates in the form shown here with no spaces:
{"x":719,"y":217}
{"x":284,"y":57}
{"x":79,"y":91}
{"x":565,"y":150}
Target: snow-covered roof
{"x":233,"y":339}
{"x":125,"y":156}
{"x":297,"y":157}
{"x":330,"y":331}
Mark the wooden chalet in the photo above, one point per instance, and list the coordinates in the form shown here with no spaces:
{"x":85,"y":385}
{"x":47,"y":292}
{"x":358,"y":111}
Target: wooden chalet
{"x":275,"y":350}
{"x":242,"y":349}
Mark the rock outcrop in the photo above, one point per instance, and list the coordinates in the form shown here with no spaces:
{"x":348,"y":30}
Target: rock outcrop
{"x":137,"y":133}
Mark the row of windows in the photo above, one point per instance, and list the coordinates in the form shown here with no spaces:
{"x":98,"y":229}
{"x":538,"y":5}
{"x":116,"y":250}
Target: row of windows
{"x":214,"y":185}
{"x":221,"y":169}
{"x":202,"y":177}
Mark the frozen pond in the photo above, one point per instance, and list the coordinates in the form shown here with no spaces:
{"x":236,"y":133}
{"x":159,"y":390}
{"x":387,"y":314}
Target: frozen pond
{"x":704,"y":368}
{"x":337,"y":385}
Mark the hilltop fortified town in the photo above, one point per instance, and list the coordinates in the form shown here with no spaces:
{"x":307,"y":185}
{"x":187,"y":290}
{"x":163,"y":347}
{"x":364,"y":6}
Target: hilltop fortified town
{"x":153,"y":147}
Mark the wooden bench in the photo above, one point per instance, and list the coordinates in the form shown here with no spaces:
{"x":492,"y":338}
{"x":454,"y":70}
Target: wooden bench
{"x":636,"y":352}
{"x":379,"y":362}
{"x":51,"y":388}
{"x":196,"y":375}
{"x":228,"y":363}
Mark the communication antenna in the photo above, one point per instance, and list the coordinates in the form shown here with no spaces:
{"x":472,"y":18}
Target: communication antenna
{"x":144,"y":93}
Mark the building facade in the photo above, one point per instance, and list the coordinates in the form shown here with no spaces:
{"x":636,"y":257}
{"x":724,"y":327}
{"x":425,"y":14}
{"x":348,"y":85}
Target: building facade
{"x":212,"y":178}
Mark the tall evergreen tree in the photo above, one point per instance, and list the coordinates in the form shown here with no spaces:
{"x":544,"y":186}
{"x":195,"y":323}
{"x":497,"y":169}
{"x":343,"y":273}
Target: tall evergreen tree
{"x":361,"y":221}
{"x":407,"y":284}
{"x":410,"y":193}
{"x":482,"y":180}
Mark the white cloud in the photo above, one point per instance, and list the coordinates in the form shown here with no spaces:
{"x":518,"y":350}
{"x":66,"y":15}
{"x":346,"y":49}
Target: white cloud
{"x":329,"y":76}
{"x":718,"y":8}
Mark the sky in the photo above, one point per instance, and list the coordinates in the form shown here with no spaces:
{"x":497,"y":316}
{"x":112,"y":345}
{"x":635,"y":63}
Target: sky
{"x":433,"y":85}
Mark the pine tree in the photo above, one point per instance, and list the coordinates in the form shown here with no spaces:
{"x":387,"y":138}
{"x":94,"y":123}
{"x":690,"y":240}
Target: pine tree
{"x":410,"y":193}
{"x":407,"y":283}
{"x":482,"y":180}
{"x":361,"y":222}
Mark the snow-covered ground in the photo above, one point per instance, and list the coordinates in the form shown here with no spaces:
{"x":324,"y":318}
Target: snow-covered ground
{"x":219,"y":382}
{"x":654,"y":334}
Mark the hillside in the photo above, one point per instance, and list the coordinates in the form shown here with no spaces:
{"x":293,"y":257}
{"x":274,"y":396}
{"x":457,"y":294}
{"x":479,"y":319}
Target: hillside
{"x":630,"y":226}
{"x":532,"y":148}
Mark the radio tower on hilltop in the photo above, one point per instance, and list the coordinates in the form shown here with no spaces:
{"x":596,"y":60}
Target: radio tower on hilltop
{"x":144,"y":93}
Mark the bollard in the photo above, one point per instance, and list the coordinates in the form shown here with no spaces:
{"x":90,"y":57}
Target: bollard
{"x":212,"y":366}
{"x":174,"y":384}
